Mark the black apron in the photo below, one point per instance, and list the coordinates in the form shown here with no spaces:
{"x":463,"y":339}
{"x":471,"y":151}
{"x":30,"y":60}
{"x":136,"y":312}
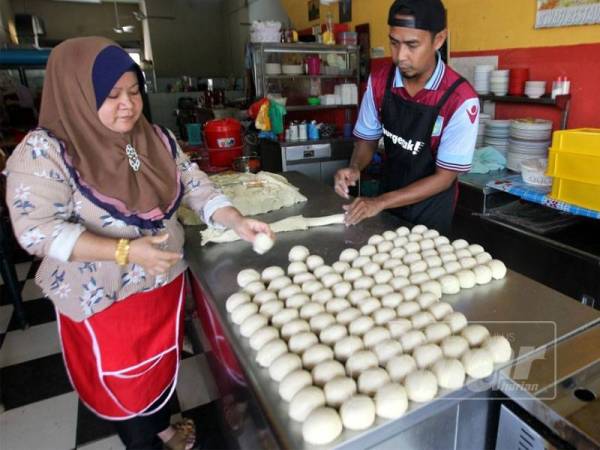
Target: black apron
{"x":407,"y":130}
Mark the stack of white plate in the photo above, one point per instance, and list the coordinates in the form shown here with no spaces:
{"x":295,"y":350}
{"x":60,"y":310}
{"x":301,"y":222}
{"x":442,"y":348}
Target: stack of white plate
{"x":496,"y":134}
{"x":481,"y":81}
{"x":483,"y":118}
{"x":499,"y":82}
{"x":529,"y":138}
{"x":535,"y":89}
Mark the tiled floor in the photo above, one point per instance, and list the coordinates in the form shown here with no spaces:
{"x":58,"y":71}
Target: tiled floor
{"x":41,"y":410}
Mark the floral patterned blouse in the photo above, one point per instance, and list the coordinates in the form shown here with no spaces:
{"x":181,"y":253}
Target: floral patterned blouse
{"x":49,"y":213}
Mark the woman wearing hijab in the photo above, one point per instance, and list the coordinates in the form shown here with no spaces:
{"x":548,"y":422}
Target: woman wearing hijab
{"x":93,"y":191}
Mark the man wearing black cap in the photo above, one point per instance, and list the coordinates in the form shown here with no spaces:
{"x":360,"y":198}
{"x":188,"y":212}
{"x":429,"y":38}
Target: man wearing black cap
{"x":427,"y":115}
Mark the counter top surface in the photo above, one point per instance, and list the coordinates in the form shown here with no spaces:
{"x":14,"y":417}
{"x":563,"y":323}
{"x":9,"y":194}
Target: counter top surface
{"x":531,"y":315}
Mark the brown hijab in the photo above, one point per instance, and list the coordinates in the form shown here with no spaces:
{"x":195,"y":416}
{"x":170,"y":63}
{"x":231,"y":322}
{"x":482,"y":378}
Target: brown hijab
{"x":96,"y":155}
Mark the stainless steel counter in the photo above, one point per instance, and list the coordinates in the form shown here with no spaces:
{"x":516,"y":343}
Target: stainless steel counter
{"x":531,"y":315}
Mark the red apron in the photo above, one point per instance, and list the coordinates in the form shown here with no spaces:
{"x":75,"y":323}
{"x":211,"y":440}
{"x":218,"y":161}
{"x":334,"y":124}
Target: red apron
{"x":123,"y":359}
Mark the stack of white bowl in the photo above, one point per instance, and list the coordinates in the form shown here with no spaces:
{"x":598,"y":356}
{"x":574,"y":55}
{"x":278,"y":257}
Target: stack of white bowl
{"x":483,"y":118}
{"x":535,"y":89}
{"x":499,"y":82}
{"x":496,"y":134}
{"x":529,"y":138}
{"x":481,"y":81}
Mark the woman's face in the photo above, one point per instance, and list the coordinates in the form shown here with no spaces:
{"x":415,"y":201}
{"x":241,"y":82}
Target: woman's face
{"x":123,"y":106}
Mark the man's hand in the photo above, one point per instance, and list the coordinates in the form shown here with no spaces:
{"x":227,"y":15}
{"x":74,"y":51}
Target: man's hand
{"x":344,"y":178}
{"x":362,"y":208}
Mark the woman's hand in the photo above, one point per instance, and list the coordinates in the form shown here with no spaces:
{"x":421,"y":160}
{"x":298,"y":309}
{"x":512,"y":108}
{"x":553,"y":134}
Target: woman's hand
{"x":144,"y":251}
{"x":247,"y":229}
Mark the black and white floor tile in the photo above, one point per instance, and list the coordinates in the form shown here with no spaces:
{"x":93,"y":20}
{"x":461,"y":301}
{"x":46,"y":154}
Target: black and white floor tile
{"x":40,"y":409}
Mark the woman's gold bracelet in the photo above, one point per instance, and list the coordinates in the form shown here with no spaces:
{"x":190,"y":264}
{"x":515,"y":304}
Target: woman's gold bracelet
{"x":122,"y":252}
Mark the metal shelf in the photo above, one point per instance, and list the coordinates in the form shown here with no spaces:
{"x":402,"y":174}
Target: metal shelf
{"x":303,"y":76}
{"x":317,"y":107}
{"x":562,"y":102}
{"x":301,"y":47}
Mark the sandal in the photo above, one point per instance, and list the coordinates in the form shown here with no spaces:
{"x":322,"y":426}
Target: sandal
{"x":184,"y":437}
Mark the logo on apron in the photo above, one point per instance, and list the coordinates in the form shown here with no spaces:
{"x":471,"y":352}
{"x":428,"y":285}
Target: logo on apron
{"x":437,"y":128}
{"x":411,"y":146}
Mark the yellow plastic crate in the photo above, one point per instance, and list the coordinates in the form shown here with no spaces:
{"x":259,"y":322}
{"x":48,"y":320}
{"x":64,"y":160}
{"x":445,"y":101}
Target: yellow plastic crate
{"x":574,"y":162}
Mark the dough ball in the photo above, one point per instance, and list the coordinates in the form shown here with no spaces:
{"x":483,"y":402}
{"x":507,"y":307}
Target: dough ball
{"x":483,"y":258}
{"x":321,"y":321}
{"x":305,"y":401}
{"x":293,"y":383}
{"x":242,"y":312}
{"x":407,"y":309}
{"x":375,"y":239}
{"x":331,"y":279}
{"x":448,"y":257}
{"x":312,"y":286}
{"x":415,"y":237}
{"x":412,"y":248}
{"x":262,"y":336}
{"x":391,"y":300}
{"x":314,"y":261}
{"x":429,"y":253}
{"x":262,"y":243}
{"x":284,"y":365}
{"x":392,"y":263}
{"x":322,"y":426}
{"x":445,"y":248}
{"x":432,"y":286}
{"x":347,"y":346}
{"x":364,"y":283}
{"x":367,"y":250}
{"x":463,"y":253}
{"x":360,"y":325}
{"x":298,"y":253}
{"x":421,"y":319}
{"x":357,"y":297}
{"x":252,"y":324}
{"x":338,"y":390}
{"x":371,"y":380}
{"x":335,"y":305}
{"x":270,"y":352}
{"x":340,"y":266}
{"x":427,"y":244}
{"x":383,"y":315}
{"x":284,"y":316}
{"x":381,"y":290}
{"x":358,"y":412}
{"x":452,"y":267}
{"x":418,"y":278}
{"x":369,"y":305}
{"x":398,"y":327}
{"x":498,"y":269}
{"x":376,"y":335}
{"x":387,"y":349}
{"x":441,"y":240}
{"x":385,"y":247}
{"x":402,"y":231}
{"x":247,"y":276}
{"x":353,"y":274}
{"x":271,"y":272}
{"x":450,"y":373}
{"x":235,"y":300}
{"x":400,"y":366}
{"x":322,"y":296}
{"x":400,"y":282}
{"x":311,"y":309}
{"x":254,"y":287}
{"x":412,"y":339}
{"x":289,"y":291}
{"x":332,"y":334}
{"x":279,"y":283}
{"x":348,"y":255}
{"x":456,"y":320}
{"x":436,"y":332}
{"x":347,"y":315}
{"x":296,"y":301}
{"x":425,"y":355}
{"x":398,"y":252}
{"x":360,"y":361}
{"x":418,"y":266}
{"x":450,"y":284}
{"x":391,"y":401}
{"x":467,"y":263}
{"x":421,"y":386}
{"x":327,"y":371}
{"x":475,"y":249}
{"x":440,"y":310}
{"x":419,"y":229}
{"x":454,"y":346}
{"x":370,"y":269}
{"x":434,"y":261}
{"x":302,"y":341}
{"x":316,"y":354}
{"x":431,"y":234}
{"x":426,"y":299}
{"x":466,"y":278}
{"x":499,"y":348}
{"x":302,"y":278}
{"x":475,"y":334}
{"x":410,"y":258}
{"x":341,"y":289}
{"x":323,"y":270}
{"x":483,"y":274}
{"x":459,"y":244}
{"x":294,"y":327}
{"x":401,"y":271}
{"x":383,"y":276}
{"x":410,"y":292}
{"x":389,"y":235}
{"x":361,"y":261}
{"x":478,"y":363}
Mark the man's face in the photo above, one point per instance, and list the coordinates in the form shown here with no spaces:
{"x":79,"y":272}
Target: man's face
{"x":413,"y":51}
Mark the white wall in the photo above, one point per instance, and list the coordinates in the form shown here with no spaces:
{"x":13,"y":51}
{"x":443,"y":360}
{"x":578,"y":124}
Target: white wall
{"x":267,"y":10}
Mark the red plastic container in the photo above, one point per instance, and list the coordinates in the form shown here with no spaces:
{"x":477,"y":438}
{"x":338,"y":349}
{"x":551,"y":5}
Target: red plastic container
{"x":223,"y":157}
{"x":223,"y":133}
{"x":517,"y":79}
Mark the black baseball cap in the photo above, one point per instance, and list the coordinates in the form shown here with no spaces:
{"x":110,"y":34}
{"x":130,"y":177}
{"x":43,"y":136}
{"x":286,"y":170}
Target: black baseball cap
{"x":427,"y":15}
